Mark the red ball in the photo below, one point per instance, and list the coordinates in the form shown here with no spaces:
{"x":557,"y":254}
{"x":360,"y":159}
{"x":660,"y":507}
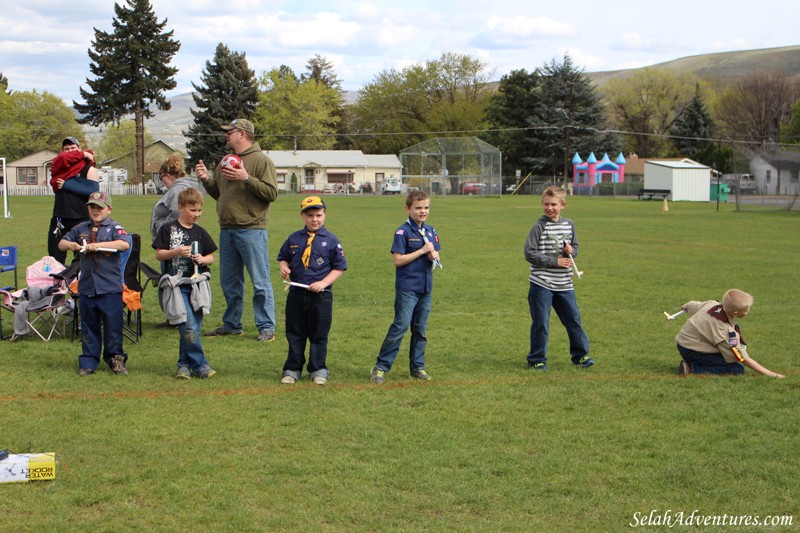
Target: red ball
{"x":231,"y":161}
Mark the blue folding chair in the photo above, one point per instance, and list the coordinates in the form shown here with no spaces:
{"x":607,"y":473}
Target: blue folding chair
{"x":8,"y":263}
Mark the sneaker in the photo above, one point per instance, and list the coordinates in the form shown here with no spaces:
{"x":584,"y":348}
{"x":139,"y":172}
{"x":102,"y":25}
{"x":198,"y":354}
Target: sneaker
{"x":83,"y":372}
{"x":421,"y":375}
{"x":266,"y":335}
{"x":378,"y":375}
{"x":288,"y":380}
{"x":221,"y":332}
{"x":183,"y":372}
{"x":684,"y":369}
{"x":585,"y":361}
{"x":538,"y":366}
{"x":118,"y":365}
{"x":164,"y":325}
{"x":204,"y":372}
{"x":319,"y":380}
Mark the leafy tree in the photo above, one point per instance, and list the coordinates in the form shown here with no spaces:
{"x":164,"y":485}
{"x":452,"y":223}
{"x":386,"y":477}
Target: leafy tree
{"x":321,"y":70}
{"x":31,"y":121}
{"x":296,"y":113}
{"x":755,"y":106}
{"x":693,"y":129}
{"x":131,"y":69}
{"x":402,"y":108}
{"x":118,"y":140}
{"x":646,"y":105}
{"x":790,"y":133}
{"x":228,"y":90}
{"x":569,"y":117}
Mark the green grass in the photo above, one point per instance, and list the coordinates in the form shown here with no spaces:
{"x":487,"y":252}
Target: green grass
{"x":487,"y":446}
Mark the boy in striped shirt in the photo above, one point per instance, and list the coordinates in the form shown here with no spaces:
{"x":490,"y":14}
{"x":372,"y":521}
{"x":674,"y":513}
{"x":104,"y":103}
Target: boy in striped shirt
{"x":549,"y":249}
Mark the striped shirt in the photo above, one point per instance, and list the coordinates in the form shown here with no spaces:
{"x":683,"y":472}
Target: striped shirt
{"x":545,"y":244}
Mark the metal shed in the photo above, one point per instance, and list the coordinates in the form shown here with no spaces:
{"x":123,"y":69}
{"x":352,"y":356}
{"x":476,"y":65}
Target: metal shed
{"x":686,"y":179}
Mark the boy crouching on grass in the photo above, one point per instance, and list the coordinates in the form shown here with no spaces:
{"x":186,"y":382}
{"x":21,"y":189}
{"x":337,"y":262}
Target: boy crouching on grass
{"x":312,"y":257}
{"x":710,"y":341}
{"x":99,"y":240}
{"x":184,"y":292}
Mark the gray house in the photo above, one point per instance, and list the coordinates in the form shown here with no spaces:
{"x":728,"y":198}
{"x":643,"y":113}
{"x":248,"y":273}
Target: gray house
{"x":776,"y":174}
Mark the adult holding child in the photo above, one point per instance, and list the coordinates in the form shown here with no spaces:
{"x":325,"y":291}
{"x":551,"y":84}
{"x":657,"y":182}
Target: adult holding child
{"x":244,"y":194}
{"x":73,"y":178}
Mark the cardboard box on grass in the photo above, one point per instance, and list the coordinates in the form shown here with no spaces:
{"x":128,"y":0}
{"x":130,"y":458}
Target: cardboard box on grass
{"x":22,"y":467}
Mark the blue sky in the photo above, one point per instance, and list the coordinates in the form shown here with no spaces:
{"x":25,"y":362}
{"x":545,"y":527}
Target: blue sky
{"x":44,"y":44}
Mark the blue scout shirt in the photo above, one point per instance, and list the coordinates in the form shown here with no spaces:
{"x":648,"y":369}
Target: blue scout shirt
{"x":417,"y":275}
{"x":326,"y":254}
{"x":101,"y":272}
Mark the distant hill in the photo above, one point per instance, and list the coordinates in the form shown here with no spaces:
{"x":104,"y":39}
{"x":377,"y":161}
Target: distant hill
{"x":719,"y":69}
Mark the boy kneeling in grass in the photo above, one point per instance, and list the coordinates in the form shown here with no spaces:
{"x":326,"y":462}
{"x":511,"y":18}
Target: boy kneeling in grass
{"x":184,"y":292}
{"x":710,"y":341}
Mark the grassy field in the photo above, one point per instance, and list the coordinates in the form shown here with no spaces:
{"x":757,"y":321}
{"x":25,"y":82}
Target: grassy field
{"x":487,"y":446}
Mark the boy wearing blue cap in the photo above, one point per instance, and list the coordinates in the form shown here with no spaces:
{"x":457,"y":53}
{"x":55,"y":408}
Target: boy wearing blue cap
{"x":311,"y":260}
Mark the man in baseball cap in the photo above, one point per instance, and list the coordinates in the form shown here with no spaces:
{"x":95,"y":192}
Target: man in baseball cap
{"x":240,"y":124}
{"x":70,"y":140}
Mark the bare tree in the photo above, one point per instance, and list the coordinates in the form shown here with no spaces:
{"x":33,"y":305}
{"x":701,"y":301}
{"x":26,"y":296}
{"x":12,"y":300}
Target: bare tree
{"x":755,"y":106}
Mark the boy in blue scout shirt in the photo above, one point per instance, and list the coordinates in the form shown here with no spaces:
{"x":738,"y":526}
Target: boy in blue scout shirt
{"x":312,"y":259}
{"x":415,"y":251}
{"x":99,"y":240}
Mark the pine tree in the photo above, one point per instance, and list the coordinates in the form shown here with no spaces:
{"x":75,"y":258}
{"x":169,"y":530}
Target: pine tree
{"x":131,"y":69}
{"x":693,"y":128}
{"x":570,"y":118}
{"x":318,"y":68}
{"x":228,"y":91}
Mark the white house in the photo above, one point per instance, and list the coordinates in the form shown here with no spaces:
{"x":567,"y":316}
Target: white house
{"x":687,"y":179}
{"x":332,"y":171}
{"x":778,"y":174}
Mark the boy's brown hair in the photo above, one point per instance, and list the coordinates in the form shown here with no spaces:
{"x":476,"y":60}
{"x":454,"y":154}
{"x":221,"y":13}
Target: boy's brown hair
{"x":557,"y":192}
{"x":415,"y":196}
{"x":190,"y":196}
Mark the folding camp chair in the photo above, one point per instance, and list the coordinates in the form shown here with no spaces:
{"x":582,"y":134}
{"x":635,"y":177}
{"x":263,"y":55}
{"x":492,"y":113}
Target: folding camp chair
{"x":8,"y":263}
{"x":39,"y":307}
{"x":133,"y":273}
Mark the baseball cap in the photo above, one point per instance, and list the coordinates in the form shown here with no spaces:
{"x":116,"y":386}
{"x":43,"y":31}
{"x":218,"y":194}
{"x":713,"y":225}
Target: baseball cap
{"x":241,"y":124}
{"x":103,"y":199}
{"x":70,"y":140}
{"x":312,"y":202}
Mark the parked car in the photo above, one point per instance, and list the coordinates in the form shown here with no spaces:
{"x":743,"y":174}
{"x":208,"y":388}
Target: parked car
{"x":392,"y":186}
{"x":473,"y":188}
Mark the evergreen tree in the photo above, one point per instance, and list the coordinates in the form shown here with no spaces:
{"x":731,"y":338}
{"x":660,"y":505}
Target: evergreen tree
{"x":693,"y":128}
{"x":321,"y":70}
{"x":570,"y":117}
{"x":131,"y":69}
{"x":228,"y":91}
{"x":517,"y":98}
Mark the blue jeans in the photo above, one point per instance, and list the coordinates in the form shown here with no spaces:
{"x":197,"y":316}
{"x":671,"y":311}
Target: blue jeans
{"x":105,"y":309}
{"x":308,"y":318}
{"x":411,"y":309}
{"x":241,"y":249}
{"x":191,"y":352}
{"x":710,"y":363}
{"x":540,"y":300}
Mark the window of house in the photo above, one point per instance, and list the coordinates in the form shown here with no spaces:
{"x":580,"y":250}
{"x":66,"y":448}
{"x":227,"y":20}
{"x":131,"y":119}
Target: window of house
{"x":769,"y":176}
{"x":27,"y":176}
{"x":282,"y":177}
{"x":379,"y":176}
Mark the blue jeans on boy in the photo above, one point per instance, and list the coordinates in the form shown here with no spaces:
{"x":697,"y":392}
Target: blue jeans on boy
{"x":710,"y":363}
{"x":308,"y":318}
{"x":540,"y":301}
{"x":191,"y":352}
{"x":411,"y":309}
{"x":105,"y":309}
{"x":241,"y":249}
